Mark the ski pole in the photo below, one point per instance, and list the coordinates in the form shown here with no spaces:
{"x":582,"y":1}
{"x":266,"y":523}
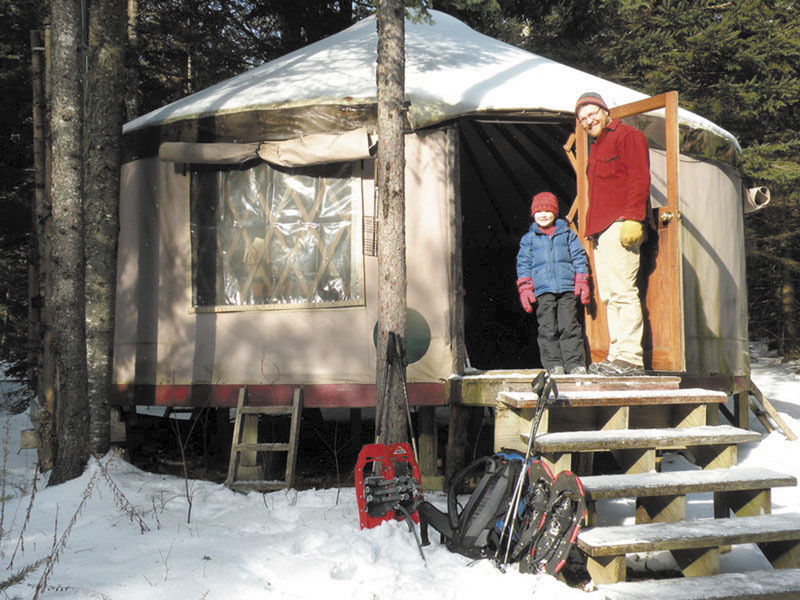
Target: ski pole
{"x":390,"y":351}
{"x":537,"y":385}
{"x":401,"y":354}
{"x":542,"y":400}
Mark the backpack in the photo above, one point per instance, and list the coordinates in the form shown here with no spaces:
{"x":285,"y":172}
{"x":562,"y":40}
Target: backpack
{"x":475,"y":530}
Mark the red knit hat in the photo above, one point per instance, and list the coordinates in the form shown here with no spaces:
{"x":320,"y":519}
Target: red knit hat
{"x":590,"y":98}
{"x":544,"y":201}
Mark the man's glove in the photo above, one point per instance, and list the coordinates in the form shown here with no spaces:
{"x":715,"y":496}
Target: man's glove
{"x":582,"y":287}
{"x":526,"y":295}
{"x":631,"y":233}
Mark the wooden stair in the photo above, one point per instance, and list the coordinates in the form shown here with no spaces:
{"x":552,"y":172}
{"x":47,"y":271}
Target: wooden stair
{"x":635,"y":449}
{"x":244,"y":470}
{"x":662,"y":496}
{"x":695,"y":545}
{"x":753,"y":585}
{"x":636,"y":420}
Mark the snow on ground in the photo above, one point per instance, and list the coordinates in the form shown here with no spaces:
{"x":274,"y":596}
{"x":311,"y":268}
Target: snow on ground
{"x":132,"y":538}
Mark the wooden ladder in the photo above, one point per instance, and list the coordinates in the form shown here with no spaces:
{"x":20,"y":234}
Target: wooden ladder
{"x":244,"y":473}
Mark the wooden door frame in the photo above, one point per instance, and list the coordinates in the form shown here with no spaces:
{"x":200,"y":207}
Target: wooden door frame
{"x":596,"y":325}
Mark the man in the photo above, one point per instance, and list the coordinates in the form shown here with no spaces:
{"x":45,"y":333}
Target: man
{"x":619,"y":193}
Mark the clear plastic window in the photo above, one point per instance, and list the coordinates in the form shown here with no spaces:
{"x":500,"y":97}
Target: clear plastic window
{"x":275,"y":237}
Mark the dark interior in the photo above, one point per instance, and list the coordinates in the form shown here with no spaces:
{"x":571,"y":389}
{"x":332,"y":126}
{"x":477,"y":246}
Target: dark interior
{"x":504,"y":161}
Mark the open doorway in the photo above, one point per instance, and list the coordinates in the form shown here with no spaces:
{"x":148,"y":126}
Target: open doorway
{"x":504,"y":161}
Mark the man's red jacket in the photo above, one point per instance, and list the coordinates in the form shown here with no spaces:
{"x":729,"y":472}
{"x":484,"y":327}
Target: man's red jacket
{"x":619,"y":177}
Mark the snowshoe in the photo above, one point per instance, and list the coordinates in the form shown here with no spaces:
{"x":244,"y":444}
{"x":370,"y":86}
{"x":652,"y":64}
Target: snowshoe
{"x":533,"y":509}
{"x":560,"y":525}
{"x":387,"y":482}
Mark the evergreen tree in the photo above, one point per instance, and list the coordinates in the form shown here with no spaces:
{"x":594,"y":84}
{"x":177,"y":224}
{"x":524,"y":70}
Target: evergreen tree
{"x":184,"y":46}
{"x":16,"y":185}
{"x":738,"y":64}
{"x":102,"y":147}
{"x":68,"y":269}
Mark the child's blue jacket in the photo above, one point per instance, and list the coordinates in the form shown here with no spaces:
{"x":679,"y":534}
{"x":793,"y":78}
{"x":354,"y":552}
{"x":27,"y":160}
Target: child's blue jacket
{"x":551,"y":261}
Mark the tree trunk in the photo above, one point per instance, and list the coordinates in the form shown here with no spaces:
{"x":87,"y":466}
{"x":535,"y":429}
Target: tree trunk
{"x":66,"y":75}
{"x":132,"y":63}
{"x":788,"y":341}
{"x":103,"y":146}
{"x":40,"y":285}
{"x":391,"y":210}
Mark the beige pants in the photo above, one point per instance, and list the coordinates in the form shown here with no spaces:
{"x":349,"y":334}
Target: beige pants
{"x":617,"y":268}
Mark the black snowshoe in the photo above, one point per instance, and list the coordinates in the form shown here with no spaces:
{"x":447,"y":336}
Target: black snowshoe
{"x":533,"y":510}
{"x":559,"y":526}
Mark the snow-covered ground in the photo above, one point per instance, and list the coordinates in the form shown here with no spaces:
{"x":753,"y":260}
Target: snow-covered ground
{"x":123,"y":534}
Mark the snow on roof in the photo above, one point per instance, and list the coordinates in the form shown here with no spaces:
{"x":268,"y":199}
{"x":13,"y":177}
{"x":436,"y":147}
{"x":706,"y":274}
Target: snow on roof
{"x":450,"y":70}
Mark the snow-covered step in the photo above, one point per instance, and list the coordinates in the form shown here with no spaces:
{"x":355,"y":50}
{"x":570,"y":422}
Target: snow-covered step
{"x":745,"y":491}
{"x":601,"y":487}
{"x":625,"y":397}
{"x":713,"y":446}
{"x":694,"y":544}
{"x":753,"y":585}
{"x":621,"y":439}
{"x":482,"y":387}
{"x":594,"y":407}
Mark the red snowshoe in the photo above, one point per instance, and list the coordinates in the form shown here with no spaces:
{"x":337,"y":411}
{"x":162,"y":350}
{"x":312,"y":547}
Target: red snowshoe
{"x":387,"y":484}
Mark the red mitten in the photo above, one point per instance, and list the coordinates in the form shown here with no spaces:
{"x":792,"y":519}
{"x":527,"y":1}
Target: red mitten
{"x":582,"y":287}
{"x":526,"y":295}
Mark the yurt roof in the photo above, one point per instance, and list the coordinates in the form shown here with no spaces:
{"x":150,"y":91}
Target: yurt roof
{"x":451,"y":70}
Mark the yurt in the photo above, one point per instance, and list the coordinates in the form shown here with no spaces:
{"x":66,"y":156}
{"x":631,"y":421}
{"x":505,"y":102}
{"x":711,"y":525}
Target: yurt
{"x":247,"y":242}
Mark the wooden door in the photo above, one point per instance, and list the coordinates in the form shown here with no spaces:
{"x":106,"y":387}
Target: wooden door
{"x":660,"y":276}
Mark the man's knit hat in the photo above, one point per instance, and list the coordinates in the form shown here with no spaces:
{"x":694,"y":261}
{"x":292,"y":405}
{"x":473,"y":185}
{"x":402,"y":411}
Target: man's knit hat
{"x":590,"y":98}
{"x":544,"y":201}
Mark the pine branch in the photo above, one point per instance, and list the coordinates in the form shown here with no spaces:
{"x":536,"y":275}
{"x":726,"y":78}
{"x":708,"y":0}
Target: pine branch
{"x":122,"y":501}
{"x":21,"y":540}
{"x":82,"y":591}
{"x":58,"y":547}
{"x":787,"y":263}
{"x":20,"y":575}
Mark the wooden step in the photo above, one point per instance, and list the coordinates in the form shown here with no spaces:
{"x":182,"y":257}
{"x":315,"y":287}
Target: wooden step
{"x":260,"y":485}
{"x":482,"y":388}
{"x":694,"y":544}
{"x":621,"y":439}
{"x":263,"y":447}
{"x":629,"y":397}
{"x":661,"y":497}
{"x":713,"y":447}
{"x":266,"y":410}
{"x":621,"y":539}
{"x":752,"y":585}
{"x":601,"y":487}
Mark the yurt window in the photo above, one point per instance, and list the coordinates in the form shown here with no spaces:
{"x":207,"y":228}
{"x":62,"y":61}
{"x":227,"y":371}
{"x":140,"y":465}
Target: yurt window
{"x":273,"y":237}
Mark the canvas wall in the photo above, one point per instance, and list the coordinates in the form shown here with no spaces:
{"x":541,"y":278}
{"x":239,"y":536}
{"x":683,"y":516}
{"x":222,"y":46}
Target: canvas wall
{"x":713,"y":265}
{"x":161,"y":339}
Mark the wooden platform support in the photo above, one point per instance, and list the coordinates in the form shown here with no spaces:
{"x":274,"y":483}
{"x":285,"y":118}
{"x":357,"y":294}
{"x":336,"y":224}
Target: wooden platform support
{"x":768,"y":409}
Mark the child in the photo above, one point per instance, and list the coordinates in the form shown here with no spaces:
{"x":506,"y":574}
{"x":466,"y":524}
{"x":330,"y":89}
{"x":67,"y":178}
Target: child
{"x":552,"y":270}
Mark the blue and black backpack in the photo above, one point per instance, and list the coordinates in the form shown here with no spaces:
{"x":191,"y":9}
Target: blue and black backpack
{"x":474,"y":530}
